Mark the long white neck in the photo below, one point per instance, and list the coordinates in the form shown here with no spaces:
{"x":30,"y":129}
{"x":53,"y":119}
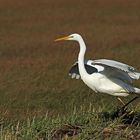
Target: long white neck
{"x":81,"y":55}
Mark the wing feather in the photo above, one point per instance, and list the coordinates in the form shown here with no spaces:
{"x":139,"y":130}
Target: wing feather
{"x":113,"y":73}
{"x":74,"y":71}
{"x":132,"y":72}
{"x":110,"y":68}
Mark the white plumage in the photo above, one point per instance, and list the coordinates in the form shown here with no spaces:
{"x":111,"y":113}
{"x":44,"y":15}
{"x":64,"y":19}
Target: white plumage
{"x":102,"y":75}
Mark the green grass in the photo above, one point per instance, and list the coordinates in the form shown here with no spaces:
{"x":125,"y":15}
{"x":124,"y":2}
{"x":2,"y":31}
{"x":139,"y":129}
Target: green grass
{"x":80,"y":124}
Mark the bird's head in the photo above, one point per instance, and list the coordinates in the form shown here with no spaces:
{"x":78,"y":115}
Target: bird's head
{"x":74,"y":36}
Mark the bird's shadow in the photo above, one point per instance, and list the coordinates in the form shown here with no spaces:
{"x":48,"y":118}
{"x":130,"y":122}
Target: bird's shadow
{"x":126,"y":117}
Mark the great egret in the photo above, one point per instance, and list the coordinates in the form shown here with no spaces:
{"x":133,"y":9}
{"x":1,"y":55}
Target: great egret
{"x":103,"y":75}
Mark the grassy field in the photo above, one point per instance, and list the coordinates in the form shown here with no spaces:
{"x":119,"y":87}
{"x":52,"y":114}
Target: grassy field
{"x":34,"y":69}
{"x":80,"y":125}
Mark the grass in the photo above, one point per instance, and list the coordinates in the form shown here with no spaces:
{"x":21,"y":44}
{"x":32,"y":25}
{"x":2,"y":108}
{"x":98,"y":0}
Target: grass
{"x":34,"y":70}
{"x":80,"y":124}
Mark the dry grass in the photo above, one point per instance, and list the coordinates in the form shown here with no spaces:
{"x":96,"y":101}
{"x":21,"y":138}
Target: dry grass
{"x":33,"y":69}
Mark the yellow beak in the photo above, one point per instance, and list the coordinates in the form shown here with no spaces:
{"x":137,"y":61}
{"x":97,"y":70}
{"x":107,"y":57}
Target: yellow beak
{"x":62,"y":38}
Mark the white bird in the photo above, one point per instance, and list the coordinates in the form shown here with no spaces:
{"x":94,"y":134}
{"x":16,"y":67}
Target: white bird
{"x":103,"y":75}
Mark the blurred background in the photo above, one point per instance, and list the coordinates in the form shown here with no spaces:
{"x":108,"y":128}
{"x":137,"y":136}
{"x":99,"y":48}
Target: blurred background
{"x":34,"y":69}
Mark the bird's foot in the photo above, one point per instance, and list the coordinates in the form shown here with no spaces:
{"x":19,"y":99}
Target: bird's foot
{"x":120,"y":111}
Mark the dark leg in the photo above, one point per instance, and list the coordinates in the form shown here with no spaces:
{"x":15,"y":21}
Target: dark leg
{"x":121,"y":111}
{"x":129,"y":102}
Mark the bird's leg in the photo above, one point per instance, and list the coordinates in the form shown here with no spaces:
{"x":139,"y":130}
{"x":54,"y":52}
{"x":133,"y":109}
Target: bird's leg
{"x":121,"y":101}
{"x":121,"y":111}
{"x":129,"y":102}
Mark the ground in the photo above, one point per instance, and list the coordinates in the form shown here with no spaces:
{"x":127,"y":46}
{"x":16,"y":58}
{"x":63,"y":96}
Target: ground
{"x":34,"y":69}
